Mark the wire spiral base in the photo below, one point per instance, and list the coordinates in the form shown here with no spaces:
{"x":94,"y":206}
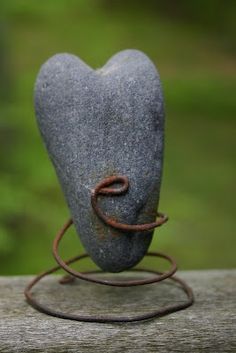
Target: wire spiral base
{"x":102,"y":188}
{"x":157,"y":277}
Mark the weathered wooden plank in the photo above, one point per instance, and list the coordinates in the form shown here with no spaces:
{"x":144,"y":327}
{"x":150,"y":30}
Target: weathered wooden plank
{"x":208,"y":326}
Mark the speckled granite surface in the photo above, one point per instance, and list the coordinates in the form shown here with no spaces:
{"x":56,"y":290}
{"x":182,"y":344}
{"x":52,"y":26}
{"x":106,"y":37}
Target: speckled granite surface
{"x":97,"y":123}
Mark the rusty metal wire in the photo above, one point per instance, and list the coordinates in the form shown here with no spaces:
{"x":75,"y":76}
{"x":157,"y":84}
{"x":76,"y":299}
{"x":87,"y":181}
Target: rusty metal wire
{"x":103,"y":188}
{"x":102,"y":318}
{"x":81,"y":275}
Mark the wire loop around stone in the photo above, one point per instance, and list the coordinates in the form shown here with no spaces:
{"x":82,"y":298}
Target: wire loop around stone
{"x":102,"y":188}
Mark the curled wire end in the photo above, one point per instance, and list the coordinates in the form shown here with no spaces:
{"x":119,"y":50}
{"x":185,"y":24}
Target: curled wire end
{"x":102,"y":188}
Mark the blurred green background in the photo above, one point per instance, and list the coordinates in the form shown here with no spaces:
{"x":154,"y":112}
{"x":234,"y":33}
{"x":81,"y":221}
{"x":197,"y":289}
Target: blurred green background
{"x":193,"y":45}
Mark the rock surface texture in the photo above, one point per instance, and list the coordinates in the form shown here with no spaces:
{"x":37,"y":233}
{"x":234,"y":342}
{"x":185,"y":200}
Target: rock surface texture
{"x":98,"y":123}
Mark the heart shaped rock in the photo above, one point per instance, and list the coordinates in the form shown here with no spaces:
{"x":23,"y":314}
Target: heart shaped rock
{"x":98,"y":123}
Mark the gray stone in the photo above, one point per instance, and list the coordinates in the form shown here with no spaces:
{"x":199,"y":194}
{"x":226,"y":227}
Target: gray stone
{"x":98,"y":123}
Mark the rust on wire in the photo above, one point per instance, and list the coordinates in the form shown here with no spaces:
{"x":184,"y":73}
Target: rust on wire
{"x":103,"y":188}
{"x":82,"y":275}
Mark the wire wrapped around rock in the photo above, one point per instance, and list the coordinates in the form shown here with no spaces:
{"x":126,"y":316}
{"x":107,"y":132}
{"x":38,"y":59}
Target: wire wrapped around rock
{"x":103,"y":188}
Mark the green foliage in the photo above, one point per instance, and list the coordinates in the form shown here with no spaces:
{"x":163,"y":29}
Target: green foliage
{"x":198,"y":74}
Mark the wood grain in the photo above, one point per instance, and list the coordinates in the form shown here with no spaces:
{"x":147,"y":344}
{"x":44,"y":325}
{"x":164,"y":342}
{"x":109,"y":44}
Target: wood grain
{"x":208,"y":326}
